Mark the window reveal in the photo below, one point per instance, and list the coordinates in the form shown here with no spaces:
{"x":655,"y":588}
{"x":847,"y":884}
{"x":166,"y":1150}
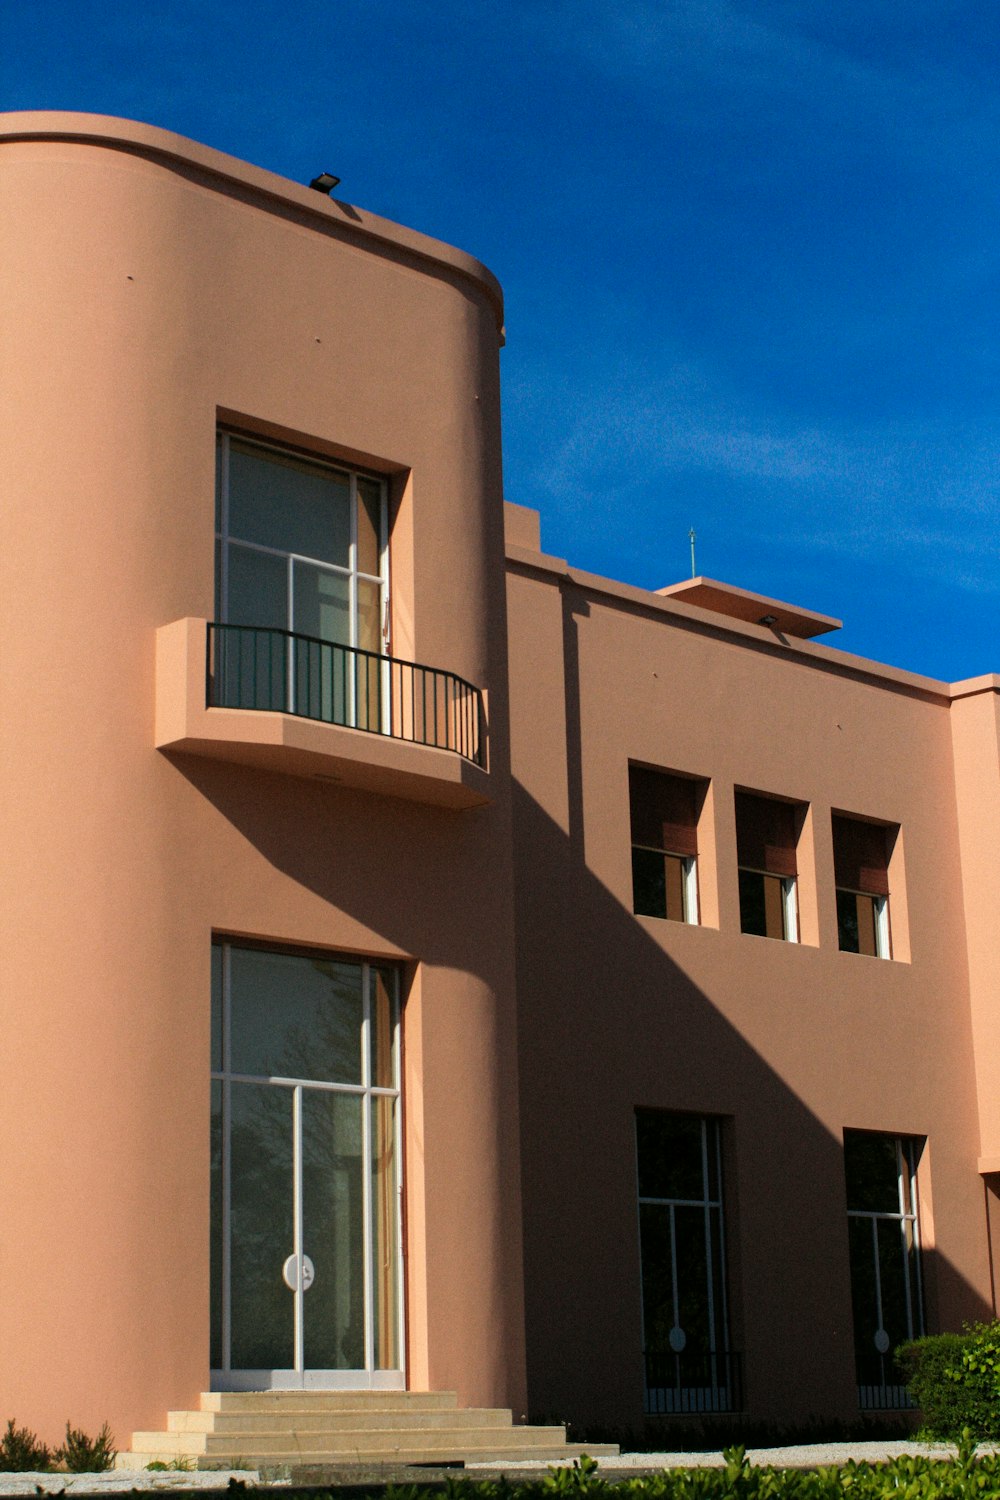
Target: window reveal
{"x":664,"y":817}
{"x":766,"y":839}
{"x":861,"y":871}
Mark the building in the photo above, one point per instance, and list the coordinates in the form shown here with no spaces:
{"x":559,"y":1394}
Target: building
{"x":426,"y":966}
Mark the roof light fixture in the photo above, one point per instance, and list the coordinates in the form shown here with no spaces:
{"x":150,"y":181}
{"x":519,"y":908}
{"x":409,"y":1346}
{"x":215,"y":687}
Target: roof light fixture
{"x":325,"y":182}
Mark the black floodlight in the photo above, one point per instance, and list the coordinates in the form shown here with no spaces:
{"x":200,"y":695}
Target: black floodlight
{"x":325,"y":182}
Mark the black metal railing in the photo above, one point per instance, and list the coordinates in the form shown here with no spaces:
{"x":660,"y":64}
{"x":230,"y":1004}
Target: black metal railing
{"x":693,"y":1382}
{"x":252,"y":666}
{"x":880,"y":1385}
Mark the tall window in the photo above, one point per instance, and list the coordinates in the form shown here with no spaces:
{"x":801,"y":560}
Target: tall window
{"x":766,"y":839}
{"x":305,"y":1232}
{"x":301,"y":548}
{"x":861,"y":870}
{"x":664,"y":810}
{"x":883,"y":1226}
{"x":689,"y":1365}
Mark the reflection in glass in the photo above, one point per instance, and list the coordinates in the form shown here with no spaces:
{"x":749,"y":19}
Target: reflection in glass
{"x":258,"y":588}
{"x":309,"y":1164}
{"x":216,"y":1228}
{"x":383,"y":1028}
{"x":385,"y":1278}
{"x":369,"y":525}
{"x":261,"y":1228}
{"x":322,"y":604}
{"x":281,"y":501}
{"x":295,"y":1017}
{"x":333,"y":1230}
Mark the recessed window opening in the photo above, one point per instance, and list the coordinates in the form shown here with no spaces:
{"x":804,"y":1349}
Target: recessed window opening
{"x":766,"y":840}
{"x":861,"y":870}
{"x":883,"y":1224}
{"x":664,"y":815}
{"x":302,"y":550}
{"x":689,"y":1363}
{"x":306,"y":1250}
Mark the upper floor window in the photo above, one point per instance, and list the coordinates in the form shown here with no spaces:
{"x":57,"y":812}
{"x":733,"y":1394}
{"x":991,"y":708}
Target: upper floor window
{"x":861,"y":871}
{"x":664,"y":811}
{"x":766,"y":838}
{"x":301,"y":545}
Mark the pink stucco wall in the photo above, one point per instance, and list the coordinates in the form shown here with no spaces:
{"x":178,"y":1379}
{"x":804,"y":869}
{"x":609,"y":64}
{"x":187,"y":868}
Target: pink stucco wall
{"x":156,"y":288}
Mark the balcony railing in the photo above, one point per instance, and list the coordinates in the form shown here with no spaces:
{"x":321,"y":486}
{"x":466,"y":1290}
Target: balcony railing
{"x":251,"y":666}
{"x":693,"y":1383}
{"x":880,"y":1386}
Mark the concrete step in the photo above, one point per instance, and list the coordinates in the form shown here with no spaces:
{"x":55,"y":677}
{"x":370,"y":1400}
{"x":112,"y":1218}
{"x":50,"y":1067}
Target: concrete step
{"x":346,"y":1441}
{"x":252,"y":1401}
{"x":282,"y":1419}
{"x":375,"y":1456}
{"x":251,"y":1429}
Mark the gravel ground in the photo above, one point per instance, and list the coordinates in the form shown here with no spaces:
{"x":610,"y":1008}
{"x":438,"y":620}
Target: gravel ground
{"x":806,"y":1456}
{"x":809,"y":1456}
{"x":119,"y":1481}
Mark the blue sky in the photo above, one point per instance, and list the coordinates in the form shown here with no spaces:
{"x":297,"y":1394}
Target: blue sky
{"x":749,"y":249}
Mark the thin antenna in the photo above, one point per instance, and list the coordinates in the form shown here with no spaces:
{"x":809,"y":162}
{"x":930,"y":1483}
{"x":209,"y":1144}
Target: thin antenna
{"x":691,"y":539}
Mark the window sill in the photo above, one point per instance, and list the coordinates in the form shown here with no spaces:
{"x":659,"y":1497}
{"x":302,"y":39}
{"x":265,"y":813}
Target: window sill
{"x":297,"y":746}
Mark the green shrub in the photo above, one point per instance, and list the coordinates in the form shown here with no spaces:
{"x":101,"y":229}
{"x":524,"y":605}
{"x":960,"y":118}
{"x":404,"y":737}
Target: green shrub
{"x":21,"y":1452}
{"x":954,"y":1378}
{"x":84,"y":1455}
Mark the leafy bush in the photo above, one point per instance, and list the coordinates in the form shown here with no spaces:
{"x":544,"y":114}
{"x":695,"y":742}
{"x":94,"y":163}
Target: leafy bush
{"x":84,"y":1455}
{"x":954,"y":1378}
{"x":21,"y":1452}
{"x":969,"y":1477}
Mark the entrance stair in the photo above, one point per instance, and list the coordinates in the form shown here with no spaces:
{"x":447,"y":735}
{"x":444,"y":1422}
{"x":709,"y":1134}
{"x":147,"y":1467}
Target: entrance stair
{"x":340,"y":1429}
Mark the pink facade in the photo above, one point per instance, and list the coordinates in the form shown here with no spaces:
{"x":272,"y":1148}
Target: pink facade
{"x":425,"y":965}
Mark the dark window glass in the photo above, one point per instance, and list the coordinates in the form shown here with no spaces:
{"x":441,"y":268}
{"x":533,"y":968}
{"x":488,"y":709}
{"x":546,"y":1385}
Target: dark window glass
{"x":753,"y":908}
{"x":872,"y":1171}
{"x":670,"y":1155}
{"x":847,"y":922}
{"x":649,"y":884}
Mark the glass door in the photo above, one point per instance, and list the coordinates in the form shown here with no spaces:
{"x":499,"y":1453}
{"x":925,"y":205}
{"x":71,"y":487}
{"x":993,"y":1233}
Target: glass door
{"x":305,"y":1247}
{"x":302,"y":551}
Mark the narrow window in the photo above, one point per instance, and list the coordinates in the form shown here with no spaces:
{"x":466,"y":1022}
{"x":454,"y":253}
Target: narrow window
{"x":883,"y":1228}
{"x":664,"y":809}
{"x":689,"y":1364}
{"x":766,"y":839}
{"x":861,"y":870}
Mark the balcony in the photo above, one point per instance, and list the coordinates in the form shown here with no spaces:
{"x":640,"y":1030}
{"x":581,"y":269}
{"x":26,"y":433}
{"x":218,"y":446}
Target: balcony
{"x":308,"y":707}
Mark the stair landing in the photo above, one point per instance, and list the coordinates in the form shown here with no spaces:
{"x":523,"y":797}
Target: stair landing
{"x":255,"y":1429}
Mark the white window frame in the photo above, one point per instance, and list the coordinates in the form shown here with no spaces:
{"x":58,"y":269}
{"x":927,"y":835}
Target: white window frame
{"x":298,"y":1377}
{"x":695,"y":1398}
{"x":351,"y":572}
{"x":790,"y":906}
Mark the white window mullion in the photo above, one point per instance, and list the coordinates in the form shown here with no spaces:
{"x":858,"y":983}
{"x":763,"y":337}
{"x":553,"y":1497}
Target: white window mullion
{"x":224,"y":539}
{"x":789,"y":891}
{"x":298,"y":1249}
{"x":366,"y":1165}
{"x":227,"y":1171}
{"x":708,"y":1239}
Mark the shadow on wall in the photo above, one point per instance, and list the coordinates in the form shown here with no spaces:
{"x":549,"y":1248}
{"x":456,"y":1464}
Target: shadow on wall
{"x":610,"y":1024}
